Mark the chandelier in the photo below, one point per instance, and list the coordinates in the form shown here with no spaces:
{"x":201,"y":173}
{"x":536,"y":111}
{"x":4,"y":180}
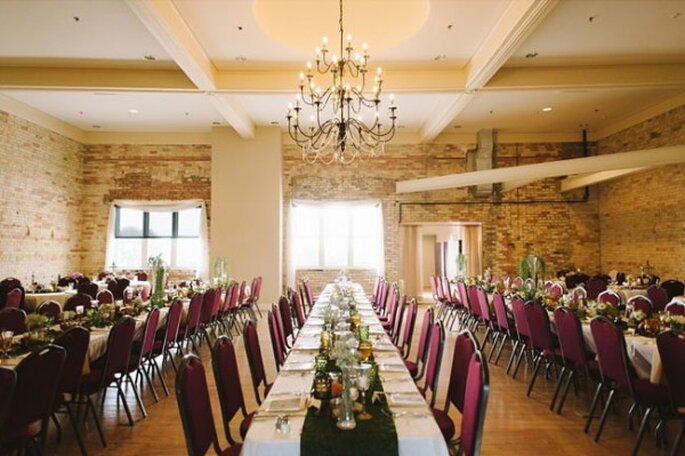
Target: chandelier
{"x":345,"y":121}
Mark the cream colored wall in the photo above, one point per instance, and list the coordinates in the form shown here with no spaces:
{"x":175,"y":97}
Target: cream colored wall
{"x":247,"y":206}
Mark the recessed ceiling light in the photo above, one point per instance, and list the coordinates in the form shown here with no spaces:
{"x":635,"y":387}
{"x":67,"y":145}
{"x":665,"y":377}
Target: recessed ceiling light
{"x":457,"y":126}
{"x":240,"y":27}
{"x":216,"y":123}
{"x":531,"y":55}
{"x":76,"y":18}
{"x":275,"y":122}
{"x":547,"y":109}
{"x":186,"y":114}
{"x":676,"y":15}
{"x":96,"y":126}
{"x":492,"y":111}
{"x":133,"y":111}
{"x":449,"y":27}
{"x":592,"y":19}
{"x":150,"y":57}
{"x":440,"y":57}
{"x":241,"y":58}
{"x":80,"y":113}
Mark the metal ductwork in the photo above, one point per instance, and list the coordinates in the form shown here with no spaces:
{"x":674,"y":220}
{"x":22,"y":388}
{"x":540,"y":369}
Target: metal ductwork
{"x":481,"y":159}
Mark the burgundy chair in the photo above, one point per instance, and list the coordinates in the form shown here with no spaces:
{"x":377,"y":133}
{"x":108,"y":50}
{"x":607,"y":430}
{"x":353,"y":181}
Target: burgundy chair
{"x":555,"y":289}
{"x":189,"y":329}
{"x":227,"y":378}
{"x":105,"y":297}
{"x":112,"y":370}
{"x":279,"y":356}
{"x":435,"y":348}
{"x":475,"y":405}
{"x":50,"y":309}
{"x":658,"y":296}
{"x":255,"y":292}
{"x":167,"y":338}
{"x":617,"y":378}
{"x":641,"y":303}
{"x":609,"y":297}
{"x":286,"y":321}
{"x":142,"y":360}
{"x":376,"y":287}
{"x":280,"y":332}
{"x":33,"y":400}
{"x":522,"y":344}
{"x":79,"y":299}
{"x":297,"y":305}
{"x":404,"y":343}
{"x":89,"y":288}
{"x":245,"y":305}
{"x":474,"y":307}
{"x":310,"y":293}
{"x":381,"y":299}
{"x":579,"y":295}
{"x":595,"y":286}
{"x":397,"y":320}
{"x":75,"y":342}
{"x":540,"y":340}
{"x":254,"y":360}
{"x":141,"y":276}
{"x":230,"y":320}
{"x":486,"y":316}
{"x":387,"y":314}
{"x":575,"y":356}
{"x":671,"y":347}
{"x":8,"y":381}
{"x":13,"y":319}
{"x":464,"y":347}
{"x":506,"y":329}
{"x":675,"y":308}
{"x":209,"y":302}
{"x":464,"y":299}
{"x":673,"y":288}
{"x":517,"y":283}
{"x":195,"y":408}
{"x":14,"y":298}
{"x":455,"y":305}
{"x":424,"y":337}
{"x":436,"y":293}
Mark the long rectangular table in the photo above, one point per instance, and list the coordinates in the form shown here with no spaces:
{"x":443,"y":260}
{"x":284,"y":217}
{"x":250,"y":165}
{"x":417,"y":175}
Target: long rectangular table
{"x":417,"y":431}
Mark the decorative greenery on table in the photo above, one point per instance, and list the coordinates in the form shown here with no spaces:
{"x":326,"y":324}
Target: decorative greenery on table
{"x":532,"y":267}
{"x":159,"y":268}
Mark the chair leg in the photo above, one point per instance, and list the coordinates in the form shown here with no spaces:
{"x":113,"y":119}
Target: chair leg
{"x":141,"y":406}
{"x":641,"y":432}
{"x":122,"y":396}
{"x":593,"y":406}
{"x":146,"y":374}
{"x":155,"y":366}
{"x":91,"y":406}
{"x":503,"y":342}
{"x":536,"y":368}
{"x":571,"y":377}
{"x":678,"y":440}
{"x":58,"y":427}
{"x":495,"y":341}
{"x":631,"y":413}
{"x":605,"y":414}
{"x":557,"y":388}
{"x":258,"y":309}
{"x":521,"y":355}
{"x":514,"y":349}
{"x":77,"y":433}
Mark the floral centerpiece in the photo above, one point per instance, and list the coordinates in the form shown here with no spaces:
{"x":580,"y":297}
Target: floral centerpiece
{"x":221,"y":272}
{"x":158,"y":298}
{"x":595,"y":308}
{"x":675,"y":322}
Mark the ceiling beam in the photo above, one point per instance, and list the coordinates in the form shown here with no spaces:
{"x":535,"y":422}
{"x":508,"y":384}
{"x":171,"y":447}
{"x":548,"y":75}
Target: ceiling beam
{"x":513,"y":185}
{"x":517,"y":22}
{"x":585,"y":180}
{"x":646,"y":158}
{"x":444,"y":115}
{"x":234,"y":115}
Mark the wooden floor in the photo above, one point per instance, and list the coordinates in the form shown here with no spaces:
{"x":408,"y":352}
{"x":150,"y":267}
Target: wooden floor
{"x":515,"y":424}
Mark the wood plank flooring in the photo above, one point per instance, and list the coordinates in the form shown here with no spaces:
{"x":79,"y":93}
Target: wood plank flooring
{"x":515,"y":424}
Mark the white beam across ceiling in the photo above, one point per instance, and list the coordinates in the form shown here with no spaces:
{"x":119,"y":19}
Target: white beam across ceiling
{"x":647,"y":158}
{"x":443,"y":116}
{"x":166,"y":24}
{"x":584,"y":180}
{"x":513,"y":185}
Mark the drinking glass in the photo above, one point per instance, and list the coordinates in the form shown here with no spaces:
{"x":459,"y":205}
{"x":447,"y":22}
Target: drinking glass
{"x":363,"y":384}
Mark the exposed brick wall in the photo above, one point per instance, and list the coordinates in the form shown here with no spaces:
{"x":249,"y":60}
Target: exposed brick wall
{"x":563,"y":228}
{"x":641,"y":215}
{"x":40,"y":201}
{"x":142,"y":172}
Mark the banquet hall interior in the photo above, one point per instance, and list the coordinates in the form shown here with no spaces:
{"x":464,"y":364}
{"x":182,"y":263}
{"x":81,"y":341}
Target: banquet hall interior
{"x":282,"y":227}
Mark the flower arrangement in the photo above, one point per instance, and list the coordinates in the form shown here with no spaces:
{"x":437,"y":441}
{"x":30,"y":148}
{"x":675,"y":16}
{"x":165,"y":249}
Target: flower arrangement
{"x":675,"y":322}
{"x":37,"y":322}
{"x":345,"y":352}
{"x":158,"y":298}
{"x":221,"y":272}
{"x":532,"y":267}
{"x":595,"y":308}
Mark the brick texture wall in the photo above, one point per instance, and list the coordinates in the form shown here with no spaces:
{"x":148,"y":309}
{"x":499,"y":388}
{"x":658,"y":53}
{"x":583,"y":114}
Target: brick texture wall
{"x":641,"y":216}
{"x":563,"y":228}
{"x":40,"y":209}
{"x":142,"y":172}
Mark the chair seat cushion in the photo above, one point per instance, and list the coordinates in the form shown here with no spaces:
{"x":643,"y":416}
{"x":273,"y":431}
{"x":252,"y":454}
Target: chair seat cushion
{"x":245,"y":425}
{"x":445,"y":423}
{"x":412,"y":367}
{"x":92,"y":381}
{"x":649,"y":393}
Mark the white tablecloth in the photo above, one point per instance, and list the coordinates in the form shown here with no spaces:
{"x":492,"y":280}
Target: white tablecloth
{"x":33,"y":300}
{"x":416,"y":435}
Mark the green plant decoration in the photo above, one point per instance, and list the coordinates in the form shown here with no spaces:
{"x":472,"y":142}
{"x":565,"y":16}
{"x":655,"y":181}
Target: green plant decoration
{"x":532,"y":267}
{"x":158,"y":298}
{"x":461,"y":266}
{"x":221,"y":273}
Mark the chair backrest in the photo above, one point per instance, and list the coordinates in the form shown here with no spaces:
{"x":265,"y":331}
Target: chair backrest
{"x":119,"y":345}
{"x":611,"y":352}
{"x":227,"y":298}
{"x":34,"y":395}
{"x":208,"y":301}
{"x":116,"y":290}
{"x":435,"y":350}
{"x":195,"y":407}
{"x":105,"y":297}
{"x":483,"y":303}
{"x":475,"y":405}
{"x":383,"y":296}
{"x":241,"y":292}
{"x":658,"y":296}
{"x":609,"y":297}
{"x":673,"y":288}
{"x":570,"y":333}
{"x":151,"y":324}
{"x":14,"y":298}
{"x":13,"y":319}
{"x":79,"y":299}
{"x":474,"y":302}
{"x":75,"y":341}
{"x":500,"y":312}
{"x":141,"y":276}
{"x":404,"y":343}
{"x":424,"y":336}
{"x":194,"y":312}
{"x":89,"y":288}
{"x":276,"y":347}
{"x":444,"y":285}
{"x":297,"y":304}
{"x":538,"y":327}
{"x":50,"y":309}
{"x":8,"y":381}
{"x":280,"y":332}
{"x":376,"y":285}
{"x":464,"y":347}
{"x":391,"y":303}
{"x":234,"y":296}
{"x":435,"y":290}
{"x":642,"y":303}
{"x":397,"y":318}
{"x":173,"y":322}
{"x":579,"y":295}
{"x":675,"y":308}
{"x":227,"y":378}
{"x":595,"y":286}
{"x":254,"y":357}
{"x":286,"y":317}
{"x":310,"y":292}
{"x":671,"y":347}
{"x":257,"y":293}
{"x":463,"y":295}
{"x":519,"y":313}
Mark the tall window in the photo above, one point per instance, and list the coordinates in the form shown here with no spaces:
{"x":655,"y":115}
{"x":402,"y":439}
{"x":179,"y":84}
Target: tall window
{"x":337,"y":235}
{"x":139,"y":235}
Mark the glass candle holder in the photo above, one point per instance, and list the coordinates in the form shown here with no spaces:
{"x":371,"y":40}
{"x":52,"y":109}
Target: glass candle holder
{"x":364,"y":332}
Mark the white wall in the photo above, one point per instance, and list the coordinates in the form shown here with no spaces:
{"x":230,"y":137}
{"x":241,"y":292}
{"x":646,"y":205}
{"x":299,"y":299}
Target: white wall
{"x":247,"y":203}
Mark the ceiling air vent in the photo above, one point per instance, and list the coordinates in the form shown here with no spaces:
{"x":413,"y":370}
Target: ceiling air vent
{"x":481,"y":158}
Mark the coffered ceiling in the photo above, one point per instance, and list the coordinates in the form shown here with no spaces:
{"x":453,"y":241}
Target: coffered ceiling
{"x":456,"y":66}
